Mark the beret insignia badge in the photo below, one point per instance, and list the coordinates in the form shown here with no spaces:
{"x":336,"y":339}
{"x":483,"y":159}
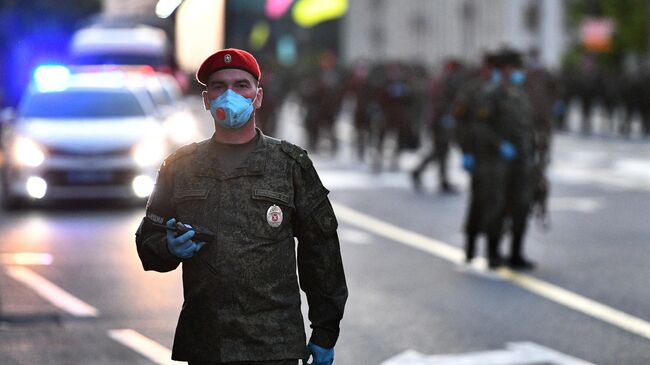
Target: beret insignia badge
{"x":227,"y":58}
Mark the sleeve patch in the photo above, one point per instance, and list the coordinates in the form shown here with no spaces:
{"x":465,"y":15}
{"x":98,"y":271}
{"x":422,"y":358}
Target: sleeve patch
{"x":156,"y":218}
{"x":325,"y":218}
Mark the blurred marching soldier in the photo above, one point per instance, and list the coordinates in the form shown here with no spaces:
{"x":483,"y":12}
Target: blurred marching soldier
{"x":632,"y":101}
{"x":588,"y":89}
{"x":542,"y":91}
{"x":365,"y":105}
{"x":322,"y":95}
{"x":443,"y":94}
{"x":565,"y":82}
{"x":507,"y":112}
{"x":478,"y":154}
{"x":644,"y":106}
{"x":276,"y":86}
{"x":396,"y":97}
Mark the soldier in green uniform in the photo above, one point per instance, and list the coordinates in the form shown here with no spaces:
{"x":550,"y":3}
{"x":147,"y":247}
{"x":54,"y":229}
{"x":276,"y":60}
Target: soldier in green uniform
{"x":256,"y":193}
{"x":478,"y":153}
{"x":505,"y":125}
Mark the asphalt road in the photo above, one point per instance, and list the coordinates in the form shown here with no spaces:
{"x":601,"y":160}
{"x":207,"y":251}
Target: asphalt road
{"x":410,"y":296}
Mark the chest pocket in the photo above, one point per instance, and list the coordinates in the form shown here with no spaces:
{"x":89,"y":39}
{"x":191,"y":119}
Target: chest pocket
{"x":190,"y":204}
{"x":270,"y":214}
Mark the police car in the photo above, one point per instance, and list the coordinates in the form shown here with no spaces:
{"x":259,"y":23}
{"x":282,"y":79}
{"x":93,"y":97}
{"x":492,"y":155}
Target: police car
{"x":82,"y":135}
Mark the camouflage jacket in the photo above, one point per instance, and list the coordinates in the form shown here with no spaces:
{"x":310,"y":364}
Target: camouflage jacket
{"x":241,"y":292}
{"x":465,"y":114}
{"x":504,"y":114}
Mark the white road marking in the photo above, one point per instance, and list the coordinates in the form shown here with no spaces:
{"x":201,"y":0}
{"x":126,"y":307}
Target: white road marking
{"x":610,"y":177}
{"x":51,"y":292}
{"x":584,"y":205}
{"x":638,"y":168}
{"x":517,"y":353}
{"x":355,"y":179}
{"x":26,"y":258}
{"x":455,"y":255}
{"x":356,"y":236}
{"x":146,"y":347}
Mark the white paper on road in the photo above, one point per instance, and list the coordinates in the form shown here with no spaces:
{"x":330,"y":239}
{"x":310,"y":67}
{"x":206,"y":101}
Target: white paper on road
{"x":518,"y":353}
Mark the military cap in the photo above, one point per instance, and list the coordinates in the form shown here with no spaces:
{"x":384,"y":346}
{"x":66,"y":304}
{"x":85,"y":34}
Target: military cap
{"x":228,"y":58}
{"x":510,"y":57}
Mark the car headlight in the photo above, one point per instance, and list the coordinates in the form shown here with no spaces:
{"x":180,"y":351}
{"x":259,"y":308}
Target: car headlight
{"x":181,"y":128}
{"x":149,"y":152}
{"x":26,"y":152}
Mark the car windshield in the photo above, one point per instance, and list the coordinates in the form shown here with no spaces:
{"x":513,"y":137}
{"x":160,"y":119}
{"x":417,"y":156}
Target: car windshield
{"x":82,"y":104}
{"x":118,"y":59}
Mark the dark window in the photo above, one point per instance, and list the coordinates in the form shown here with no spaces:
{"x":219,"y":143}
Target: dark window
{"x":82,"y":104}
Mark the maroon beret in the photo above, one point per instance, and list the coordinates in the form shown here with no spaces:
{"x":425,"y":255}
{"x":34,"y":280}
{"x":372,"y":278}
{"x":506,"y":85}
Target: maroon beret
{"x":228,"y":58}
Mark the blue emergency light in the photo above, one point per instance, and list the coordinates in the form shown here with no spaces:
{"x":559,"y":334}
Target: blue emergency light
{"x":51,"y":77}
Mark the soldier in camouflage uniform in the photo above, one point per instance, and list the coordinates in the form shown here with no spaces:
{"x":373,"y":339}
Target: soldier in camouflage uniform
{"x":505,"y":125}
{"x":443,"y":93}
{"x":478,"y":156}
{"x":256,"y":193}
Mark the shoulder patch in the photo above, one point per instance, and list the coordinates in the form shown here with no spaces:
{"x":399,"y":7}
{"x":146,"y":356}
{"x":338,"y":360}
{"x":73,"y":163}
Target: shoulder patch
{"x":296,"y":153}
{"x":183,"y":151}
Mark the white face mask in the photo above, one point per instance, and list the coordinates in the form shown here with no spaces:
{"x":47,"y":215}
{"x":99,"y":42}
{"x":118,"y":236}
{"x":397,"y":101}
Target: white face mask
{"x":231,"y":110}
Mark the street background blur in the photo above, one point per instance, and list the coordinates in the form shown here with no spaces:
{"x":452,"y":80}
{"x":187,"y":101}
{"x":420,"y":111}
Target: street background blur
{"x":357,"y":83}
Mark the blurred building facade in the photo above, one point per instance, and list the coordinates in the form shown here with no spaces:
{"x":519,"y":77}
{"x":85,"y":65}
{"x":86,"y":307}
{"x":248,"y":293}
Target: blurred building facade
{"x":431,"y":31}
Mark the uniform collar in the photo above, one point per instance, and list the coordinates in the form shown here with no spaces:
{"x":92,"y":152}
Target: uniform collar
{"x":254,"y":164}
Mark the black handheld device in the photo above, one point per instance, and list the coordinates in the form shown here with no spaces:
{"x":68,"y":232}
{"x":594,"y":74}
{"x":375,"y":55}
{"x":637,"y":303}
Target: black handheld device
{"x":200,"y":234}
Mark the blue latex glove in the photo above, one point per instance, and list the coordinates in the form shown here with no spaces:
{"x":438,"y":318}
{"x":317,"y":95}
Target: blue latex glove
{"x":320,"y":355}
{"x":447,"y":121}
{"x":182,"y":246}
{"x":508,"y":151}
{"x":559,"y":108}
{"x":468,"y":162}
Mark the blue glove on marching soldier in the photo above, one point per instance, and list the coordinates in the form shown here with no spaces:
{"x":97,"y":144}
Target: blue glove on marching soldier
{"x":508,"y":151}
{"x":468,"y":162}
{"x":320,"y":355}
{"x":182,"y":246}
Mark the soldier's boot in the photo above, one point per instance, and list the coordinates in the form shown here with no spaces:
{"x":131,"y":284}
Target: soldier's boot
{"x":361,"y":147}
{"x":470,"y":247}
{"x":447,"y":188}
{"x":416,"y":179}
{"x":494,"y":258}
{"x":517,"y":261}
